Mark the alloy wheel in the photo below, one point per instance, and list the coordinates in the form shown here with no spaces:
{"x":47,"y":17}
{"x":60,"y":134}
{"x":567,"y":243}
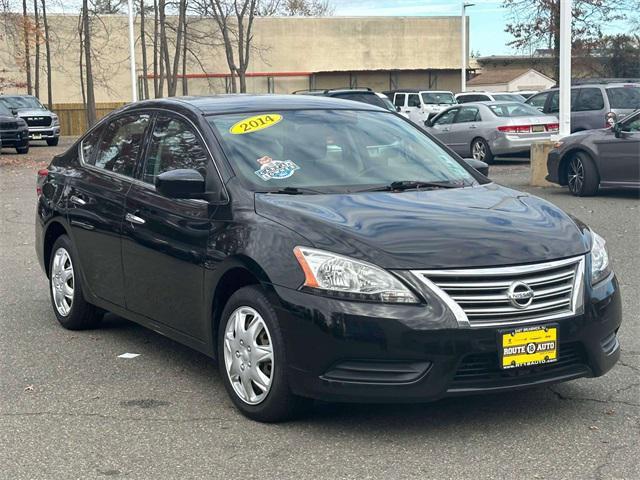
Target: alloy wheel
{"x":479,"y":151}
{"x":248,"y":355}
{"x":62,"y":281}
{"x":575,"y":175}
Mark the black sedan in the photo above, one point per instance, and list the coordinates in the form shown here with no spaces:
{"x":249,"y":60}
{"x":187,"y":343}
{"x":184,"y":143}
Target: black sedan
{"x":321,"y":248}
{"x":588,"y":160}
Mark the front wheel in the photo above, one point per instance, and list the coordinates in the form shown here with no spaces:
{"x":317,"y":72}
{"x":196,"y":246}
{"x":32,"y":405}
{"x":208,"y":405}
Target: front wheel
{"x":52,"y":142}
{"x":252,"y":360}
{"x":582,"y":176}
{"x":71,"y":309}
{"x":480,"y":150}
{"x":22,"y":150}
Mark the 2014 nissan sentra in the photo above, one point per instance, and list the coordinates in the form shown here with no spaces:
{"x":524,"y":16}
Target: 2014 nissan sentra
{"x":321,"y":248}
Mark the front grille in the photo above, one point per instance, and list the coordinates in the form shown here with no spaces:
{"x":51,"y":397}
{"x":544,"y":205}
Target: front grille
{"x":8,"y":125}
{"x":489,"y":296}
{"x":38,"y":121}
{"x":483,"y":369}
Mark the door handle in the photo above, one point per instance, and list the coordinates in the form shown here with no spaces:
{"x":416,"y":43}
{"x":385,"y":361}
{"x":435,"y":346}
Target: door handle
{"x":473,"y":126}
{"x":130,"y":217}
{"x":78,"y":200}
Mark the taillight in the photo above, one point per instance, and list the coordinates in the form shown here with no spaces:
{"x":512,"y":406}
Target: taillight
{"x":42,"y":176}
{"x":552,"y":127}
{"x":610,"y":120}
{"x":515,"y":128}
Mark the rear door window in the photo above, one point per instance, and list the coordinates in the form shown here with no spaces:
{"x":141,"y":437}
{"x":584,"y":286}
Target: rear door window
{"x":89,"y":144}
{"x":588,"y":99}
{"x":121,"y":143}
{"x":414,"y":100}
{"x":468,"y":114}
{"x":399,"y":99}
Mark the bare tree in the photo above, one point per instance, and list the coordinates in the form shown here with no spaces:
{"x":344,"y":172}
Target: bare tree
{"x":36,"y":67}
{"x":88,"y":68}
{"x":47,"y":47}
{"x":143,"y":46}
{"x":27,"y":53}
{"x":307,"y":8}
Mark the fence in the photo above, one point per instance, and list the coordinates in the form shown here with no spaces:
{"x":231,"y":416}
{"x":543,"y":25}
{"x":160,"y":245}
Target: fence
{"x":73,"y":117}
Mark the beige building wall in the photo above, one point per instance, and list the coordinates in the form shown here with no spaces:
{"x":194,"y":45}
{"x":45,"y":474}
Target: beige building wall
{"x":287,"y":44}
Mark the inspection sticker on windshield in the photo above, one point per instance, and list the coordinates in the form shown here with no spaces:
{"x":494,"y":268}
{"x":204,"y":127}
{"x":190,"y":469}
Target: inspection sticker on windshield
{"x":275,"y":169}
{"x":256,"y":123}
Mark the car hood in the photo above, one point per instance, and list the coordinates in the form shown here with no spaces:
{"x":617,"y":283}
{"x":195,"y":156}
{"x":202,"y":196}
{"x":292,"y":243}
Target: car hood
{"x":481,"y":226}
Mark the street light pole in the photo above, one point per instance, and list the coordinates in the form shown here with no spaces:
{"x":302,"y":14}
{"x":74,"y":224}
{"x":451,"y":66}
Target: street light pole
{"x":132,"y":54}
{"x":463,"y":36}
{"x":565,"y":69}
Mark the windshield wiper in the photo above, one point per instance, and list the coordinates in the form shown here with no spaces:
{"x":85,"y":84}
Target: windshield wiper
{"x":293,"y":191}
{"x":403,"y":185}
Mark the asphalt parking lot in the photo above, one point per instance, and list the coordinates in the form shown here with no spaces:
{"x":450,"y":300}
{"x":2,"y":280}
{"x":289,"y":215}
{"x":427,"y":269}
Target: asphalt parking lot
{"x":70,"y":408}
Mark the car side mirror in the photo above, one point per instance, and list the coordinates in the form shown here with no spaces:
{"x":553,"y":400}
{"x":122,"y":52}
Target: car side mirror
{"x":428,"y":123}
{"x":181,"y":183}
{"x":14,"y":111}
{"x":398,"y":109}
{"x":479,"y":165}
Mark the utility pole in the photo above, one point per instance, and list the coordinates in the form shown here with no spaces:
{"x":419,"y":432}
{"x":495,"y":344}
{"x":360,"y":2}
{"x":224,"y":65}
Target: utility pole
{"x":565,"y":68}
{"x":132,"y":54}
{"x":463,"y":36}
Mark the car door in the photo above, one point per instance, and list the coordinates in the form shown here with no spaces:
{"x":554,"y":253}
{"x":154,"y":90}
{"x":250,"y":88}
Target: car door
{"x":165,"y":239}
{"x":587,"y":110}
{"x":464,"y":129}
{"x":618,"y":158}
{"x":414,"y":108}
{"x":441,"y":127}
{"x":96,"y":200}
{"x":400,"y":102}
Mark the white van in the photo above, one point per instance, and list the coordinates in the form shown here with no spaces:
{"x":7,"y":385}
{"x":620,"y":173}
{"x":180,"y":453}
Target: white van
{"x":421,"y":105}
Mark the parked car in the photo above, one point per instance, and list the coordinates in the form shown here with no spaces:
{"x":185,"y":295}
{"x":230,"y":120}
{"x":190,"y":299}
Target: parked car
{"x":320,"y":248}
{"x":608,"y":157}
{"x":421,"y":105}
{"x":43,"y":124}
{"x":14,"y":132}
{"x":364,"y":95}
{"x":593,"y":106}
{"x":527,"y":93}
{"x":487,"y":129}
{"x":468,"y":97}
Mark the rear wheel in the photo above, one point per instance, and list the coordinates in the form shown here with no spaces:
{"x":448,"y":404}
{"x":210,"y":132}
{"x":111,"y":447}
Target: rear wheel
{"x":71,"y":309}
{"x":22,"y":150}
{"x":582,"y":176}
{"x":480,"y":150}
{"x":52,"y":142}
{"x":252,"y":361}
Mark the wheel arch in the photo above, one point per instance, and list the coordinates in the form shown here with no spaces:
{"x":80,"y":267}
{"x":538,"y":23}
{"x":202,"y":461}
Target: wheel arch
{"x":237,"y":272}
{"x":563,"y":167}
{"x":54,"y":230}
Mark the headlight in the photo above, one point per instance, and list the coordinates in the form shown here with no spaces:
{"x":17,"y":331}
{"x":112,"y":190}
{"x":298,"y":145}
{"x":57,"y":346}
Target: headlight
{"x":600,"y":267}
{"x":55,"y":120}
{"x":345,"y":277}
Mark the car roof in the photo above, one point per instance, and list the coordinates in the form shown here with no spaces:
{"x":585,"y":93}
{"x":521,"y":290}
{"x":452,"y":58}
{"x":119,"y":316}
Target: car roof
{"x":239,"y":103}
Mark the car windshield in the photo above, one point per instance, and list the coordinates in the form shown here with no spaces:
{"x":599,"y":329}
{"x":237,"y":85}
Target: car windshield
{"x":332,"y":151}
{"x":514,"y":110}
{"x":508,"y":97}
{"x":438,"y":98}
{"x":22,"y":102}
{"x":624,"y":97}
{"x":4,"y":110}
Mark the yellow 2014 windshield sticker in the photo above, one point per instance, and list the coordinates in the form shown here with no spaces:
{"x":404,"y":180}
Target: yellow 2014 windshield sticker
{"x":256,"y":123}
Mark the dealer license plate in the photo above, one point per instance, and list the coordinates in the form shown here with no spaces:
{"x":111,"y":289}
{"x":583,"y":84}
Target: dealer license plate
{"x":37,"y":136}
{"x":527,"y":346}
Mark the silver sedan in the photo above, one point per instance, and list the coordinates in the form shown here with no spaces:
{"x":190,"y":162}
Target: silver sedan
{"x":487,"y":129}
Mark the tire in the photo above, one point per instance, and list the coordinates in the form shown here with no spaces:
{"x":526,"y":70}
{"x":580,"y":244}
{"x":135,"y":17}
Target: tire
{"x":22,"y":150}
{"x":71,"y":309}
{"x":52,"y":142}
{"x":583,"y":179}
{"x":480,"y":150}
{"x":249,"y":310}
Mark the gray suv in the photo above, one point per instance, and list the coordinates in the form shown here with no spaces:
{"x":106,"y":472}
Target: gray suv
{"x":43,"y":123}
{"x":592,"y":105}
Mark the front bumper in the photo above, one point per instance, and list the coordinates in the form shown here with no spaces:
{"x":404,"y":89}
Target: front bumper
{"x":553,"y":167}
{"x":44,"y":133}
{"x":361,"y":352}
{"x":15,"y":138}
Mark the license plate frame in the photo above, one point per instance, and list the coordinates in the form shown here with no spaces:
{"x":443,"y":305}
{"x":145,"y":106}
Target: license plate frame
{"x":528,"y":346}
{"x":36,"y":136}
{"x":537,"y":128}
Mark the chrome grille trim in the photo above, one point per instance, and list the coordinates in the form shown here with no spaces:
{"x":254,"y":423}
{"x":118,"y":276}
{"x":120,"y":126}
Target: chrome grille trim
{"x":478,"y":297}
